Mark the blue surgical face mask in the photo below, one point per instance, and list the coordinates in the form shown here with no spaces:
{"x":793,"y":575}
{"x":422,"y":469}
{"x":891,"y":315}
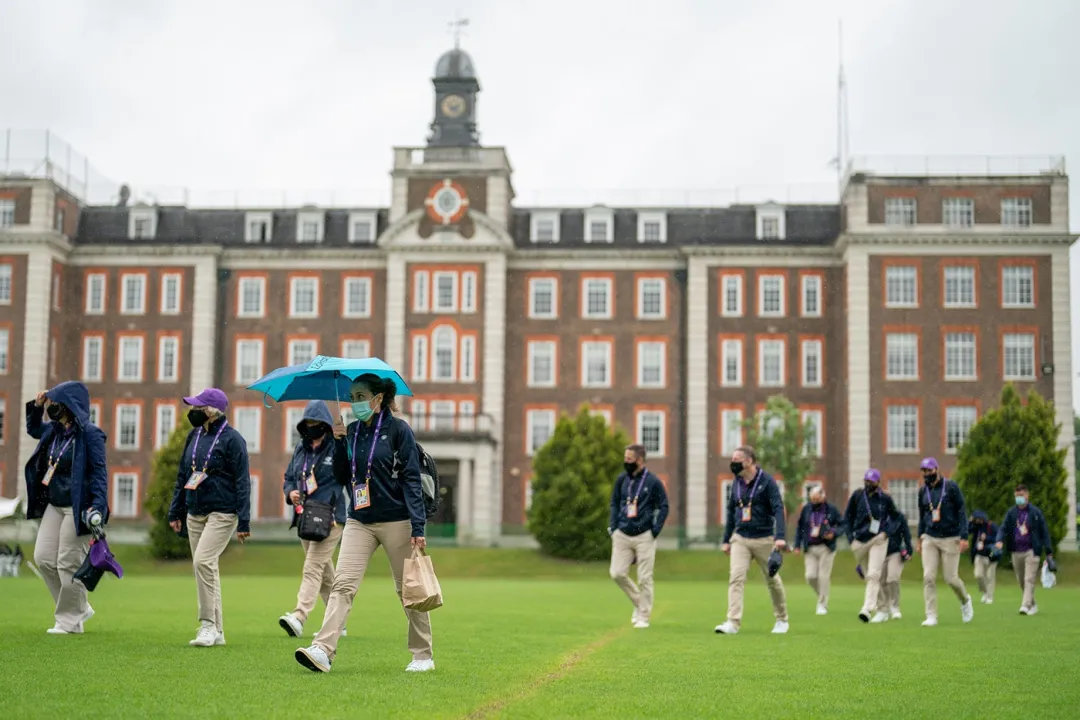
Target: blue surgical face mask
{"x":362,"y":411}
{"x":1021,"y":500}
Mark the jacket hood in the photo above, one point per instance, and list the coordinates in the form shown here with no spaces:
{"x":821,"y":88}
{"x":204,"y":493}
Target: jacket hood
{"x":317,"y":410}
{"x":980,"y":515}
{"x":75,"y":397}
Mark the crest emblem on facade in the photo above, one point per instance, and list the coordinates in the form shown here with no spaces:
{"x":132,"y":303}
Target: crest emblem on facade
{"x":447,"y":202}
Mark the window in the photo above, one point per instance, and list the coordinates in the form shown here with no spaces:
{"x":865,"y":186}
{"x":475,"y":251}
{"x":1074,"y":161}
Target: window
{"x":445,"y":291}
{"x":468,"y":292}
{"x":731,"y":362}
{"x":543,"y":360}
{"x":7,"y":213}
{"x":468,"y":359}
{"x":651,"y":370}
{"x":3,"y":416}
{"x":133,"y":294}
{"x":293,"y":416}
{"x":420,"y":291}
{"x":56,"y":291}
{"x":6,"y":276}
{"x":362,"y":227}
{"x":92,"y":362}
{"x":441,"y":418}
{"x":170,"y":293}
{"x":165,"y":424}
{"x":467,"y":416}
{"x":770,"y":223}
{"x":961,"y":351}
{"x":1016,"y":212}
{"x":248,"y":422}
{"x":1018,"y":286}
{"x":258,"y":227}
{"x":127,"y":426}
{"x":249,"y":361}
{"x":731,"y":295}
{"x":902,"y":429}
{"x":771,"y":295}
{"x":309,"y":227}
{"x":814,"y":423}
{"x":539,"y":427}
{"x":596,"y":298}
{"x":5,"y":350}
{"x":444,"y":354}
{"x":651,"y":299}
{"x":254,"y":496}
{"x":1019,"y":356}
{"x":958,"y":422}
{"x":95,"y":413}
{"x":355,"y":349}
{"x":419,"y":358}
{"x":771,"y":363}
{"x":901,"y":286}
{"x":54,"y":355}
{"x":596,"y":364}
{"x":545,"y":227}
{"x":901,"y":356}
{"x":304,"y":297}
{"x":905,"y":493}
{"x":811,"y":363}
{"x":542,"y":296}
{"x":900,"y":211}
{"x":770,"y":228}
{"x":142,"y":223}
{"x":168,"y":359}
{"x":652,"y":227}
{"x":130,"y":365}
{"x":811,"y":295}
{"x":95,"y":293}
{"x":418,"y":414}
{"x":650,"y":431}
{"x":125,"y":494}
{"x":303,"y":350}
{"x":731,"y":430}
{"x":959,"y":287}
{"x":599,"y":225}
{"x":357,"y":297}
{"x":251,"y":297}
{"x":958,"y":212}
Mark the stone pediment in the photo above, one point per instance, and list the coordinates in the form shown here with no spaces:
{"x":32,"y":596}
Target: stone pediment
{"x":475,"y":233}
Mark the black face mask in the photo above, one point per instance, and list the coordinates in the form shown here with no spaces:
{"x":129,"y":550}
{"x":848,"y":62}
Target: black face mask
{"x":197,"y":418}
{"x":55,"y":412}
{"x":870,"y":488}
{"x":630,"y":468}
{"x":311,"y":432}
{"x":930,"y":479}
{"x":737,"y":467}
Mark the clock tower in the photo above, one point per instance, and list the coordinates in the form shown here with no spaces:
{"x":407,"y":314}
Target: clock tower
{"x":456,"y":88}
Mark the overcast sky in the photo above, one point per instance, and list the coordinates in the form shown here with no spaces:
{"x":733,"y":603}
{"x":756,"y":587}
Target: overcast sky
{"x":592,"y":99}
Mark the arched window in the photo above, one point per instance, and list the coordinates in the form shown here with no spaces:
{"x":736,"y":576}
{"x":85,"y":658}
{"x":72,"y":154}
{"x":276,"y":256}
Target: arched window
{"x":444,"y":351}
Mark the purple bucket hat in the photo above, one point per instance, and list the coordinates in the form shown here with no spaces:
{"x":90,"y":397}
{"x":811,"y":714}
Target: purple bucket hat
{"x":872,"y":475}
{"x":210,"y":397}
{"x":102,"y":558}
{"x":928,"y":463}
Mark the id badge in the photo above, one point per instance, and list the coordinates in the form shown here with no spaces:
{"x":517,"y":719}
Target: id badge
{"x":815,"y":531}
{"x":935,"y":515}
{"x":49,"y":472}
{"x":979,"y":545}
{"x":631,"y":510}
{"x":195,"y":479}
{"x":310,"y":486}
{"x":746,"y":514}
{"x":361,"y":497}
{"x":1023,"y":529}
{"x":875,"y":526}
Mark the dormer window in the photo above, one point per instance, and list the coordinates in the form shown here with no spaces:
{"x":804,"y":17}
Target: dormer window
{"x":258,"y":227}
{"x":652,"y":227}
{"x":362,"y":227}
{"x":142,"y":223}
{"x":770,"y":222}
{"x":309,"y":227}
{"x":545,"y":227}
{"x":599,"y":225}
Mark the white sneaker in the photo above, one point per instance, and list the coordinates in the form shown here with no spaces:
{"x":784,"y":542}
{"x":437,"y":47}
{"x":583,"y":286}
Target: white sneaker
{"x":314,"y":658}
{"x":967,"y":611}
{"x":982,"y":599}
{"x":929,"y":622}
{"x":291,"y":625}
{"x":634,"y":618}
{"x":895,"y":615}
{"x":880,"y":617}
{"x":344,"y":632}
{"x":420,"y":666}
{"x":780,"y":628}
{"x":1031,"y":611}
{"x":1024,"y":610}
{"x":206,"y":637}
{"x":89,"y":614}
{"x":726,"y":628}
{"x":220,"y":639}
{"x":641,"y":624}
{"x":57,"y":630}
{"x":822,"y":610}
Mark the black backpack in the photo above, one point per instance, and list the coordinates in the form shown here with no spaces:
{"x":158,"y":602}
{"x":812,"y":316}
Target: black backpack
{"x":429,"y":478}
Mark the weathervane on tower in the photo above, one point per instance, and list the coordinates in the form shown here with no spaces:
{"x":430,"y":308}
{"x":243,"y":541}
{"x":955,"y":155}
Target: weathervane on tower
{"x":456,"y":30}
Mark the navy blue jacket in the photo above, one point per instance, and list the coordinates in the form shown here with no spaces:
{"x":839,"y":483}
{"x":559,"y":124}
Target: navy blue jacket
{"x":858,"y":519}
{"x":954,"y":521}
{"x":227,"y":487}
{"x":321,"y":461}
{"x":899,"y":535}
{"x":766,"y":509}
{"x":1040,"y":533}
{"x":652,"y":505}
{"x":396,"y":493}
{"x":986,"y":532}
{"x":89,"y":473}
{"x":834,"y":522}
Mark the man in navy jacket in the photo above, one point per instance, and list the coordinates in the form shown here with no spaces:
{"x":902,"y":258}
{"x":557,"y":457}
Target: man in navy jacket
{"x":869,"y":513}
{"x":819,"y":525}
{"x":983,"y":537}
{"x":943,"y":535}
{"x":899,"y":553}
{"x":1024,"y":533}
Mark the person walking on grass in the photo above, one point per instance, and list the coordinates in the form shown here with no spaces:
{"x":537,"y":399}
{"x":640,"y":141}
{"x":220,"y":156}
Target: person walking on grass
{"x":983,"y":537}
{"x":67,"y":488}
{"x":754,"y":531}
{"x":899,"y":553}
{"x":212,"y":500}
{"x":820,"y":523}
{"x":639,"y":507}
{"x":377,"y":460}
{"x":869,"y":515}
{"x":310,"y":477}
{"x":943,"y":535}
{"x":1024,"y":533}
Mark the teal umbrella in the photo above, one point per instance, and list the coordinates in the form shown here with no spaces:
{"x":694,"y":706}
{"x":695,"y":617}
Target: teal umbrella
{"x":324,"y":378}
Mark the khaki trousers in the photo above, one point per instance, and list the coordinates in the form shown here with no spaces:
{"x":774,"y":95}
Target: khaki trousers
{"x":819,"y":562}
{"x":1026,"y":568}
{"x":743,"y":551}
{"x":58,"y":553}
{"x":943,"y":553}
{"x":624,"y":550}
{"x":318,"y":574}
{"x":208,"y":536}
{"x":871,"y":555}
{"x":889,"y":599}
{"x":358,"y":543}
{"x":986,"y":575}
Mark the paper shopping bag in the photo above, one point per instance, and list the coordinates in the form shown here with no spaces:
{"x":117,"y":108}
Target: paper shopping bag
{"x":420,"y":589}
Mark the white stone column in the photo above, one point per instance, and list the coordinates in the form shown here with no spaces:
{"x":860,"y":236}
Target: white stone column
{"x":697,"y":398}
{"x":1063,"y":372}
{"x":35,"y":351}
{"x":858,"y":361}
{"x":397,"y":291}
{"x":489,"y":515}
{"x":463,"y":501}
{"x":485,"y":523}
{"x":204,"y":329}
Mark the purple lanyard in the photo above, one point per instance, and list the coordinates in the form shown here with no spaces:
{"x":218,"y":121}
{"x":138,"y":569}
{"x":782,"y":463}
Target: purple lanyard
{"x":866,"y":499}
{"x":54,"y":457}
{"x":738,"y":495}
{"x":1021,"y":518}
{"x":640,"y":484}
{"x":195,"y":450}
{"x":817,"y":518}
{"x":371,"y":452}
{"x":941,"y":497}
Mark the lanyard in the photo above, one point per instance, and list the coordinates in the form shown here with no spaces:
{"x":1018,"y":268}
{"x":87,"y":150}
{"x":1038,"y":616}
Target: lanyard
{"x":941,"y":497}
{"x":738,"y":495}
{"x":640,"y":484}
{"x":54,"y":457}
{"x":817,"y":517}
{"x":195,"y":450}
{"x":371,"y":452}
{"x":866,"y":499}
{"x":1021,"y":518}
{"x":312,"y":458}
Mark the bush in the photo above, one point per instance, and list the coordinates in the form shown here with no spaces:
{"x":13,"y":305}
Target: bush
{"x":573,"y":474}
{"x":164,"y":543}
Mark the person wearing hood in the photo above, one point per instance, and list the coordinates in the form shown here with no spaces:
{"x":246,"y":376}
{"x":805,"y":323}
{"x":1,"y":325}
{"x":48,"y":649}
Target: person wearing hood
{"x":899,"y":553}
{"x":870,"y":513}
{"x":820,"y":523}
{"x":943,"y":534}
{"x":67,"y":489}
{"x":1024,"y":533}
{"x":983,"y":537}
{"x":310,"y":477}
{"x":213,"y":500}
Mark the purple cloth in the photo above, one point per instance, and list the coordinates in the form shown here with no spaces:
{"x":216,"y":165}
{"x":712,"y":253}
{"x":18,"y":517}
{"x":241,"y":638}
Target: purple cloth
{"x":928,"y":463}
{"x":210,"y":397}
{"x":817,"y":517}
{"x":1022,"y":543}
{"x":102,"y":558}
{"x":872,"y":475}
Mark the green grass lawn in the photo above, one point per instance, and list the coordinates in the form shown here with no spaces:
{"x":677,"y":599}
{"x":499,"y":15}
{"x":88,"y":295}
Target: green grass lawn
{"x":522,"y":637}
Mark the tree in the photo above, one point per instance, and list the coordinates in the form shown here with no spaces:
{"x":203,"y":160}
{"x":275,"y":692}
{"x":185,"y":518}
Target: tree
{"x":164,"y":543}
{"x":779,"y":435}
{"x":1016,"y":443}
{"x":573,"y":474}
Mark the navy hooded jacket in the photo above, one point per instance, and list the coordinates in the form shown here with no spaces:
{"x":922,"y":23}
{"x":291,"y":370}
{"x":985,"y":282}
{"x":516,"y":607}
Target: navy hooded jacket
{"x":227,"y":487}
{"x":766,"y":509}
{"x":984,"y":532}
{"x":320,"y":461}
{"x":899,"y":535}
{"x":652,"y":505}
{"x":953,"y":512}
{"x":89,"y":473}
{"x":862,"y":508}
{"x":1040,"y":533}
{"x":833,"y":522}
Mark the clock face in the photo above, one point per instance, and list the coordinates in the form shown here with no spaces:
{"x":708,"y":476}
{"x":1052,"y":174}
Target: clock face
{"x":453,"y":106}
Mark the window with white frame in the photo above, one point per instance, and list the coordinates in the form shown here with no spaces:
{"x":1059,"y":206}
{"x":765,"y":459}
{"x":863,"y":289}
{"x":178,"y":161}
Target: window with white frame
{"x":417,"y":414}
{"x":171,"y":284}
{"x":651,"y":362}
{"x":303,"y":350}
{"x":596,"y":298}
{"x":125,"y":495}
{"x":814,"y":425}
{"x":811,"y":295}
{"x":467,"y":416}
{"x":959,"y":286}
{"x":901,"y":286}
{"x":651,"y":298}
{"x":596,"y":364}
{"x":1019,"y":356}
{"x":5,"y":350}
{"x":56,"y":291}
{"x":652,"y":227}
{"x":770,"y":223}
{"x":444,"y":354}
{"x":441,"y":418}
{"x":958,"y":212}
{"x":771,"y":363}
{"x":95,"y":293}
{"x":419,"y":358}
{"x":959,"y":420}
{"x":304,"y":297}
{"x":258,"y":227}
{"x":251,"y":297}
{"x":133,"y":294}
{"x":128,"y":421}
{"x":445,"y":295}
{"x":142,"y":223}
{"x":130,"y":365}
{"x":528,"y":494}
{"x":468,"y":292}
{"x":7,"y":213}
{"x":293,"y":417}
{"x":95,"y":413}
{"x":731,"y":295}
{"x":355,"y":348}
{"x":961,"y":353}
{"x":900,"y":211}
{"x":249,"y":361}
{"x":248,"y":422}
{"x":731,"y":430}
{"x":309,"y":227}
{"x":1016,"y":212}
{"x":599,"y":225}
{"x":362,"y":227}
{"x":905,"y":493}
{"x":731,"y":362}
{"x":421,"y":291}
{"x":543,"y":358}
{"x":539,"y":427}
{"x":168,"y":359}
{"x":164,"y":425}
{"x":357,"y":297}
{"x":54,"y":355}
{"x":1018,"y":286}
{"x":467,"y":372}
{"x":901,"y":356}
{"x":812,"y":357}
{"x":93,"y":359}
{"x":3,"y":417}
{"x":650,"y":432}
{"x":544,"y":227}
{"x":771,"y":295}
{"x":543,"y":293}
{"x":254,"y":496}
{"x":902,"y":429}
